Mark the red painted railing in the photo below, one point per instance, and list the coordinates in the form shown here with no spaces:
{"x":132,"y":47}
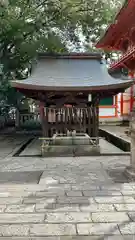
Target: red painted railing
{"x":123,"y":59}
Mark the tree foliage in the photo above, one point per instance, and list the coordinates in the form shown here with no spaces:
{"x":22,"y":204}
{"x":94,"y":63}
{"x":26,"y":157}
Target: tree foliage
{"x":28,"y":26}
{"x":31,"y":26}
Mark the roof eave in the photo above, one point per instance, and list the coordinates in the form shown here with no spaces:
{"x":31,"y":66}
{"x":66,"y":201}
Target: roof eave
{"x":31,"y":87}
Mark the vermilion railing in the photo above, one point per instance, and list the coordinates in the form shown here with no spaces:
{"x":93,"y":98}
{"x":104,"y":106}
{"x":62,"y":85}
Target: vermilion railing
{"x":123,"y":58}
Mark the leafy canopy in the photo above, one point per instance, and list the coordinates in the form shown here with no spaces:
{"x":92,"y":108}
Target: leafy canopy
{"x":31,"y":26}
{"x":28,"y":26}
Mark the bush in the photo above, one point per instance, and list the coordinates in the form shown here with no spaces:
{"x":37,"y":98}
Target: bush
{"x":31,"y":125}
{"x":2,"y":121}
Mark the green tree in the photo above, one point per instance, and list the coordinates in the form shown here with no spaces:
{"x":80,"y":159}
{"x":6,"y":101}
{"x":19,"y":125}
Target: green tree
{"x":31,"y":26}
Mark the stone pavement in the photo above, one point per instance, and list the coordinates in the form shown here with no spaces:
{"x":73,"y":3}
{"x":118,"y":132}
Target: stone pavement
{"x":81,"y":198}
{"x":10,"y":144}
{"x":75,"y":198}
{"x":67,"y":211}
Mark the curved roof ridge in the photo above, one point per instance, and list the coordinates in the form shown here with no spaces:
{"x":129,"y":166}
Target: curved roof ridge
{"x":72,"y":55}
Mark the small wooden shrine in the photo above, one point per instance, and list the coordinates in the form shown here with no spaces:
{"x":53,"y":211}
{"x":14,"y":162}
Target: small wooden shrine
{"x":69,"y":88}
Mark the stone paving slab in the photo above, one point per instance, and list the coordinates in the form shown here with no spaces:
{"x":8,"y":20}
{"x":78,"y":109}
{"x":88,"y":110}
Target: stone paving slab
{"x":110,"y":217}
{"x":107,"y":147}
{"x":20,"y":177}
{"x":11,"y":200}
{"x":127,"y":228}
{"x":14,"y":230}
{"x":76,"y":200}
{"x":19,"y":208}
{"x":8,"y":144}
{"x":34,"y":148}
{"x":21,"y":218}
{"x":132,"y":215}
{"x":57,"y":208}
{"x":52,"y":229}
{"x":97,"y":208}
{"x":69,"y":217}
{"x":125,"y":207}
{"x":120,"y":131}
{"x":117,"y":199}
{"x":98,"y":229}
{"x":87,"y":193}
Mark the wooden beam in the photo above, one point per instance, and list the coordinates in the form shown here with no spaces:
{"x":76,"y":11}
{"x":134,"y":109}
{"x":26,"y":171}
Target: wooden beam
{"x":72,"y":99}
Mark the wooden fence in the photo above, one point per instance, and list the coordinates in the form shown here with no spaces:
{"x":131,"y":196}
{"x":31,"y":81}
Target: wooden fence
{"x":29,"y":117}
{"x":61,"y":119}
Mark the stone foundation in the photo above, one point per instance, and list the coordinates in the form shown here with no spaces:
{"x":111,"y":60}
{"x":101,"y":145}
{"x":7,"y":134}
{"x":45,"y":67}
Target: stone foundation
{"x":72,"y":145}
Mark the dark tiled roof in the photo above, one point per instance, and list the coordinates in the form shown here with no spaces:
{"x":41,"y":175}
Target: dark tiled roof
{"x":81,"y":72}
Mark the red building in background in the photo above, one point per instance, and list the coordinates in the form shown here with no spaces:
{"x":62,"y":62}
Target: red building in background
{"x":120,"y":37}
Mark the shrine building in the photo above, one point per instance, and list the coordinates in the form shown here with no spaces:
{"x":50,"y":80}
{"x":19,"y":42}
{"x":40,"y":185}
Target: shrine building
{"x":69,"y":88}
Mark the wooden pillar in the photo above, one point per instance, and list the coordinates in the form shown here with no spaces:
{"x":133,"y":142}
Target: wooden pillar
{"x":121,"y":104}
{"x":17,"y":113}
{"x":89,"y":120}
{"x":90,"y":115}
{"x":42,"y":117}
{"x":46,"y":119}
{"x":131,"y":98}
{"x":95,"y":106}
{"x":93,"y":120}
{"x":97,"y":121}
{"x":17,"y":119}
{"x":116,"y":104}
